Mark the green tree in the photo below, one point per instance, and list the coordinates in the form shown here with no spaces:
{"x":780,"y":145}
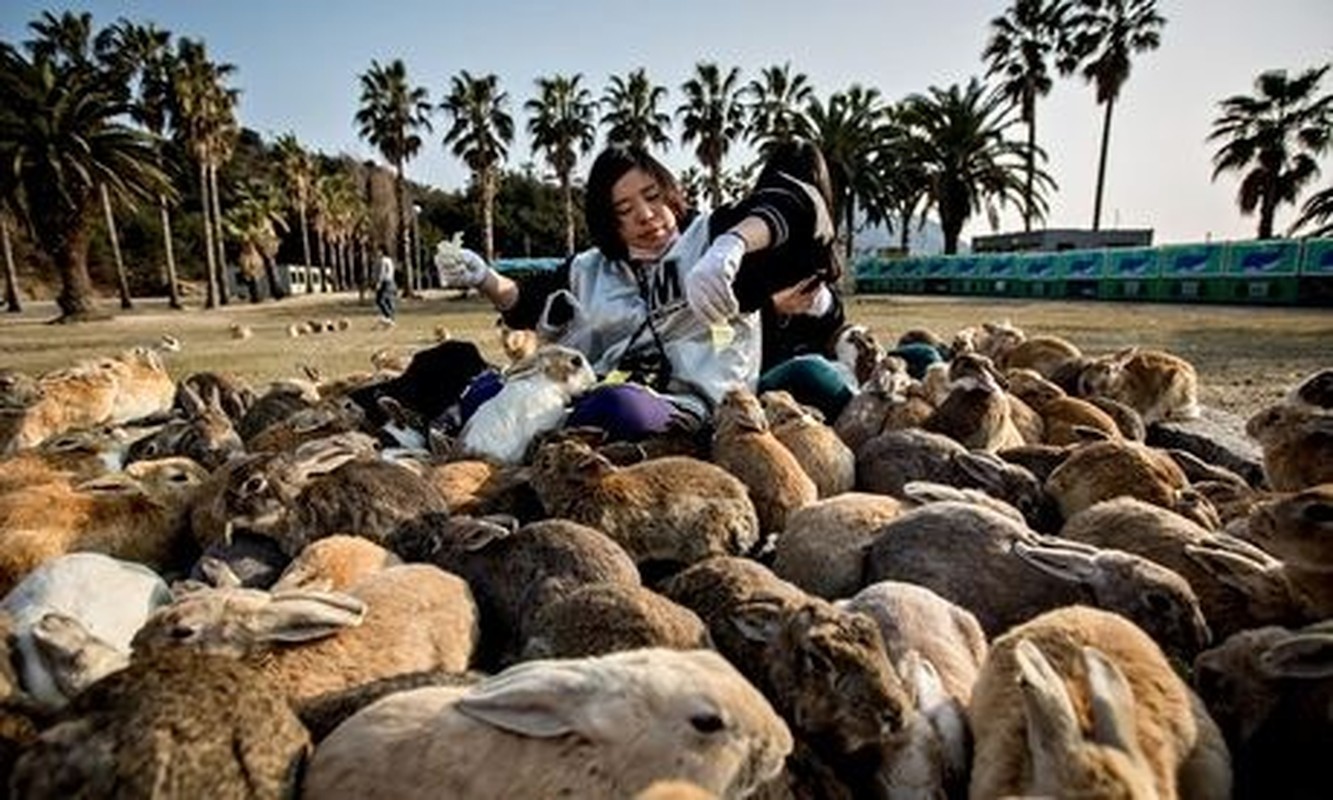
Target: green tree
{"x":254,"y":221}
{"x":959,"y":140}
{"x":68,"y":40}
{"x":562,"y":128}
{"x":632,"y":116}
{"x":776,"y":100}
{"x":202,"y":112}
{"x":1023,"y":40}
{"x":297,"y":170}
{"x":393,"y":113}
{"x":1317,"y":214}
{"x":1274,"y":139}
{"x":61,"y":137}
{"x":847,"y":131}
{"x":481,"y":133}
{"x":143,"y":52}
{"x":713,"y":117}
{"x":1106,"y":34}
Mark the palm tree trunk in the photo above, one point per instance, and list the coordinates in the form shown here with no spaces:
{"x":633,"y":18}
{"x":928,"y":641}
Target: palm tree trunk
{"x":403,"y":245}
{"x":488,"y":212}
{"x":1268,"y":202}
{"x":1101,"y":166}
{"x":121,"y":279}
{"x":1032,"y":166}
{"x":173,"y":289}
{"x":224,"y":288}
{"x":75,"y":300}
{"x":305,"y":233}
{"x":12,"y":303}
{"x":211,"y":298}
{"x":905,"y":220}
{"x":567,"y":197}
{"x":325,"y":261}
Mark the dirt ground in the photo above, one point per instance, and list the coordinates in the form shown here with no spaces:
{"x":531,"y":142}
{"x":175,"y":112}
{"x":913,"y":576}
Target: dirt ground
{"x":1246,"y":356}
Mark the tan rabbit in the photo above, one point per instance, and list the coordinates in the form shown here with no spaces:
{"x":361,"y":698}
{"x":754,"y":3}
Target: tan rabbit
{"x":1154,"y":383}
{"x":1045,"y":354}
{"x":1062,"y":416}
{"x":1297,"y":440}
{"x":829,"y":462}
{"x":744,"y":446}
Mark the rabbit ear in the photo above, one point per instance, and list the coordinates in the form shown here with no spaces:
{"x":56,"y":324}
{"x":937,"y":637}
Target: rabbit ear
{"x":191,"y":403}
{"x":300,"y":615}
{"x":1112,"y":703}
{"x":528,"y":366}
{"x":1064,"y":563}
{"x":541,"y":699}
{"x":218,"y":573}
{"x":1305,"y":654}
{"x":1052,"y":727}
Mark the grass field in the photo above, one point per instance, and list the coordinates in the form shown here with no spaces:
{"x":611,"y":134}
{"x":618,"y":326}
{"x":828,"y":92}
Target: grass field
{"x":1246,"y":356}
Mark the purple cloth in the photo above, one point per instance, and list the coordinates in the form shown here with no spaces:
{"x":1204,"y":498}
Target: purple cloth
{"x":625,"y":411}
{"x":482,"y":388}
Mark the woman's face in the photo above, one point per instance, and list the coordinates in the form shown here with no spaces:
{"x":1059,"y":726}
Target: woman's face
{"x":646,"y":222}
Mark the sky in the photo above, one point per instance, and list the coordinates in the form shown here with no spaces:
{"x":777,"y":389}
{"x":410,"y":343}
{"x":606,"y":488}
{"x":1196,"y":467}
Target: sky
{"x":298,"y":63}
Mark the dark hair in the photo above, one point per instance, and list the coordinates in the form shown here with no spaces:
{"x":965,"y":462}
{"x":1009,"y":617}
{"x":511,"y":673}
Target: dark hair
{"x":599,"y":211}
{"x":805,"y":162}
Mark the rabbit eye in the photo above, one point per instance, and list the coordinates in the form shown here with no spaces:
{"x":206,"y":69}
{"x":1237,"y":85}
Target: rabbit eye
{"x":254,"y":484}
{"x":182,"y":633}
{"x":1319,"y":512}
{"x":707,"y":723}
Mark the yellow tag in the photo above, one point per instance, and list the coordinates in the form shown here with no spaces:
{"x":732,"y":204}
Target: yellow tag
{"x":615,"y":376}
{"x":723,"y":335}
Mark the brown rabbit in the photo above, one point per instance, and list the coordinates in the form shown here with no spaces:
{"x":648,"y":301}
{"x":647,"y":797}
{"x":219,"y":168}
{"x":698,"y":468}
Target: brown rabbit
{"x":744,"y":446}
{"x":1045,"y":354}
{"x":976,"y":412}
{"x":1156,"y":384}
{"x":1297,"y":441}
{"x":1062,"y":416}
{"x":829,"y":462}
{"x":1103,"y":470}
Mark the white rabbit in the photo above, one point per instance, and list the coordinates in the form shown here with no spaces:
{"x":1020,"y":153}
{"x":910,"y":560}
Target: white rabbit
{"x":533,"y":400}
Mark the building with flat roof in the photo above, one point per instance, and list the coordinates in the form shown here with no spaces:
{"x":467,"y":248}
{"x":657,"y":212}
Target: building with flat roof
{"x":1054,"y":239}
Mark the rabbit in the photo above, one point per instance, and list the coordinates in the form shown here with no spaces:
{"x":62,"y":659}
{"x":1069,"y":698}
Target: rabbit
{"x":744,"y":445}
{"x":533,"y":399}
{"x":1158,"y":385}
{"x":829,"y":462}
{"x":1045,"y":354}
{"x":1297,"y":442}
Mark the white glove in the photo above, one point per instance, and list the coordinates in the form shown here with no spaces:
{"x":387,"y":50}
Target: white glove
{"x":708,"y":285}
{"x":460,"y":267}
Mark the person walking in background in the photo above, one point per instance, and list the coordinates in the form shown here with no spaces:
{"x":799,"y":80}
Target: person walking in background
{"x":384,"y":287}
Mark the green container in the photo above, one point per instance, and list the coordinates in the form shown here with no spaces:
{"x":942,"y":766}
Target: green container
{"x":1317,"y":258}
{"x":965,"y":275}
{"x":1194,"y":273}
{"x":1263,"y":259}
{"x":1131,"y":273}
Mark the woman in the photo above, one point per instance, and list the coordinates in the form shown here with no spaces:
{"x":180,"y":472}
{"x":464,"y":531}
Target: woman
{"x":793,"y":285}
{"x":653,"y":302}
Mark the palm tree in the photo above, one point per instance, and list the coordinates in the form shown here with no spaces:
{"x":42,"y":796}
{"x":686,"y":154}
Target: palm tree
{"x":1274,"y":138}
{"x":392,"y":114}
{"x":896,"y":184}
{"x":60,"y":139}
{"x":481,"y":133}
{"x":254,"y":222}
{"x":847,"y":130}
{"x":562,"y":126}
{"x":142,"y":52}
{"x":1106,"y":33}
{"x":959,"y":140}
{"x":776,"y":100}
{"x":1022,"y":40}
{"x":713,"y":116}
{"x":297,"y":171}
{"x":632,"y":114}
{"x":201,"y":111}
{"x":68,"y":40}
{"x":1316,"y":213}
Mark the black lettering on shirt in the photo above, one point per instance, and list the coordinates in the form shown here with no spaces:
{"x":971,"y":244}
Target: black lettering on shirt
{"x":665,"y":288}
